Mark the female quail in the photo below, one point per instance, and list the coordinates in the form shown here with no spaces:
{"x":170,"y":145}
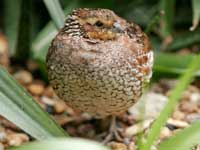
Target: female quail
{"x":99,"y":62}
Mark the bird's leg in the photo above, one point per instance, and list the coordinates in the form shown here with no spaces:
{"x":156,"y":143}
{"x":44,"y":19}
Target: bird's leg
{"x":113,"y":132}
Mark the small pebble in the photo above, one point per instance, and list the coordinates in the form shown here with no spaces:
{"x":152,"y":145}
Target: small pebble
{"x":4,"y":59}
{"x":178,"y":115}
{"x":176,"y":131}
{"x":59,"y":106}
{"x":165,"y":133}
{"x":117,"y":146}
{"x":24,"y":77}
{"x":71,"y":131}
{"x":149,"y":106}
{"x":198,"y":147}
{"x":86,"y":130}
{"x":48,"y":101}
{"x":32,"y":65}
{"x":177,"y":123}
{"x":132,"y":146}
{"x":7,"y":124}
{"x":2,"y":136}
{"x":188,"y":107}
{"x":184,"y":51}
{"x":1,"y":146}
{"x":17,"y":139}
{"x":86,"y":116}
{"x":137,"y":128}
{"x":36,"y":89}
{"x":38,"y":100}
{"x":193,"y":117}
{"x":153,"y":147}
{"x":70,"y":111}
{"x":167,"y":84}
{"x":63,"y":119}
{"x":186,"y":95}
{"x":171,"y":127}
{"x":195,"y":98}
{"x":49,"y":109}
{"x":157,"y":88}
{"x":49,"y":92}
{"x":193,"y":89}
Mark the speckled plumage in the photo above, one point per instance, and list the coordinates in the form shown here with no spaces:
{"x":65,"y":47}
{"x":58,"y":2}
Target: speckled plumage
{"x":99,"y":68}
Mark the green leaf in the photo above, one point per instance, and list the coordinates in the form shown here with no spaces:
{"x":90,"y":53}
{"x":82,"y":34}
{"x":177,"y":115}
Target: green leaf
{"x":11,"y":22}
{"x":154,"y":21}
{"x":62,"y":144}
{"x":17,"y":27}
{"x":24,"y":32}
{"x":55,"y":12}
{"x":184,"y":40}
{"x":196,"y":14}
{"x":42,"y":42}
{"x":167,"y":64}
{"x":183,"y":140}
{"x":174,"y":97}
{"x":167,"y":6}
{"x":20,"y":108}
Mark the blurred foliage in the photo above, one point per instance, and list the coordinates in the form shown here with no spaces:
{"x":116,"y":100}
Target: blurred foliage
{"x":184,"y":40}
{"x":11,"y":22}
{"x":196,"y":14}
{"x":32,"y":24}
{"x":174,"y":21}
{"x":167,"y":6}
{"x":55,"y":12}
{"x":24,"y":32}
{"x":62,"y":144}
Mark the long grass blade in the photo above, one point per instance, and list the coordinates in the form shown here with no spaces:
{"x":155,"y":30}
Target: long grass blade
{"x":174,"y":96}
{"x":42,"y":41}
{"x":184,"y":40}
{"x":196,"y":14}
{"x":55,"y":12}
{"x":20,"y":108}
{"x":62,"y":144}
{"x":17,"y":27}
{"x":167,"y":6}
{"x":184,"y":140}
{"x":11,"y":22}
{"x":171,"y":64}
{"x":155,"y":20}
{"x":24,"y":32}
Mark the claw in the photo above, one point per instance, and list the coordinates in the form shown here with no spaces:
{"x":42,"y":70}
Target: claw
{"x":114,"y":132}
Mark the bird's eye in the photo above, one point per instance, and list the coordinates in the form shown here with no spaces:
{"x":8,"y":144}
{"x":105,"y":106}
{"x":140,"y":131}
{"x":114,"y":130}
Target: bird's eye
{"x":99,"y":24}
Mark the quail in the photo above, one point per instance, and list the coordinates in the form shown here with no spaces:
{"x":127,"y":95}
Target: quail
{"x":99,"y":62}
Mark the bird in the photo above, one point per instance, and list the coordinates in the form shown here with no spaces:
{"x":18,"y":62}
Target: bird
{"x":99,"y":63}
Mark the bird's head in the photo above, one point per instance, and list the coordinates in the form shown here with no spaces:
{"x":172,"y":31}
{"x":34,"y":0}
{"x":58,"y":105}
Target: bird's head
{"x":102,"y":24}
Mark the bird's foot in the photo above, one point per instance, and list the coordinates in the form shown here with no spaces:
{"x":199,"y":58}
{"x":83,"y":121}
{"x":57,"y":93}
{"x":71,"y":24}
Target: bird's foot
{"x":113,"y":135}
{"x":114,"y":132}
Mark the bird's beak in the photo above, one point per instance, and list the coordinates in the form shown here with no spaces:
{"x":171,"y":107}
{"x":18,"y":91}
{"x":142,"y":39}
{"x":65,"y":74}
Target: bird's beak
{"x":117,"y":27}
